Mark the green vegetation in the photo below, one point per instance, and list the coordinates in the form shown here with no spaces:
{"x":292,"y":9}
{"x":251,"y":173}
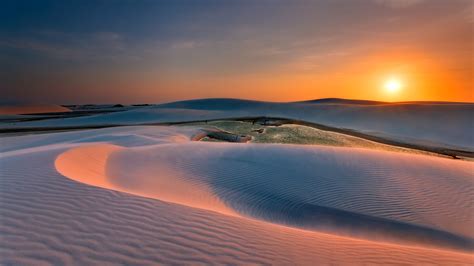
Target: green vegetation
{"x":298,"y":134}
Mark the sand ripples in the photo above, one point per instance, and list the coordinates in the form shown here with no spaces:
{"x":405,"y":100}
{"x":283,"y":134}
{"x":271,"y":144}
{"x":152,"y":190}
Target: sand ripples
{"x":47,"y":219}
{"x":380,"y":196}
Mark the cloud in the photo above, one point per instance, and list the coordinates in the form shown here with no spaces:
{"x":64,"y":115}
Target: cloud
{"x":468,"y":14}
{"x":66,"y":46}
{"x":398,"y":3}
{"x":45,"y":48}
{"x":108,"y":36}
{"x":185,"y":45}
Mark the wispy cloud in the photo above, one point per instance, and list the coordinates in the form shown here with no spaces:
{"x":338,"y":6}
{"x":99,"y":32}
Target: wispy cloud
{"x":185,"y":45}
{"x":398,"y":3}
{"x":66,"y":46}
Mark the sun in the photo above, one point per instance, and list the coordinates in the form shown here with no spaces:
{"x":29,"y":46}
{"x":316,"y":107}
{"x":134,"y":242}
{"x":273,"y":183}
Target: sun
{"x":393,"y":85}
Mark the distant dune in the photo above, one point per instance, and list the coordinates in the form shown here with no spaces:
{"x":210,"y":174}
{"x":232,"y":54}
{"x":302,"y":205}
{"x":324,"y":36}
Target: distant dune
{"x":433,"y":124}
{"x":32,"y":109}
{"x":214,"y":104}
{"x":343,"y":101}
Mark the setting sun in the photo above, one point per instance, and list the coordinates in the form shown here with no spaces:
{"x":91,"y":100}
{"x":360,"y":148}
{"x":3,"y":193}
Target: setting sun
{"x":393,"y":85}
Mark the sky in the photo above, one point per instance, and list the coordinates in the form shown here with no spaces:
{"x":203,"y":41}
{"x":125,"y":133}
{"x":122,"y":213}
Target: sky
{"x":151,"y":51}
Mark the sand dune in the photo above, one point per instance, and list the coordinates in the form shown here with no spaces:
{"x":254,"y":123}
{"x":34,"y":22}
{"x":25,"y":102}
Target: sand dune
{"x":195,"y":202}
{"x":47,"y":219}
{"x":31,"y":109}
{"x":295,"y":186}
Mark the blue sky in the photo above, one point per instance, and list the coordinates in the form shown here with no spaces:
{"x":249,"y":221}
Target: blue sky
{"x":155,"y":51}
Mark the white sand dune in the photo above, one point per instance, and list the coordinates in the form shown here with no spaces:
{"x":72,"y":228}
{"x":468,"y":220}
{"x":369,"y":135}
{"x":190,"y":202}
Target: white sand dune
{"x":438,"y":124}
{"x":31,"y":109}
{"x":62,"y":202}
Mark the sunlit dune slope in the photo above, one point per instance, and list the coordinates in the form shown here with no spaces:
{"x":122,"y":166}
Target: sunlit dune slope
{"x":89,"y":165}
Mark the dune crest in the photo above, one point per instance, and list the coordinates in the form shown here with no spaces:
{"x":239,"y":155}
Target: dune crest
{"x":88,"y":164}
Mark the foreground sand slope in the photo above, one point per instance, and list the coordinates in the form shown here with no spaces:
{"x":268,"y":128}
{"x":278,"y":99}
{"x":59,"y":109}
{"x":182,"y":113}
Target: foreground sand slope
{"x":240,"y":209}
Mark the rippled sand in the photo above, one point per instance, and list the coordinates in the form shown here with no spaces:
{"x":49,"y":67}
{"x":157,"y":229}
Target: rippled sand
{"x":147,"y":195}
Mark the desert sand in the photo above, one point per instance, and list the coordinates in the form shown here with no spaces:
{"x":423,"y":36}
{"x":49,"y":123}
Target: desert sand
{"x":147,"y":195}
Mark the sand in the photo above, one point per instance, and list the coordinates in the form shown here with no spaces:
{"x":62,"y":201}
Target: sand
{"x":89,"y":165}
{"x":32,"y":109}
{"x":149,"y":195}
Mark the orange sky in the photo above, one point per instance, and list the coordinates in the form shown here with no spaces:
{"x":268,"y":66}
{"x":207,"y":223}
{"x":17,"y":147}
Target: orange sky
{"x":283,"y":51}
{"x":422,"y":77}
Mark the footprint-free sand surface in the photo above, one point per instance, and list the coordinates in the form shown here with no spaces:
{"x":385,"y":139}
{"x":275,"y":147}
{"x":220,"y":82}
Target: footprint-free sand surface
{"x":150,"y":195}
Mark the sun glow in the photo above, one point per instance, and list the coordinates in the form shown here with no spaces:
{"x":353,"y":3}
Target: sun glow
{"x":393,"y":86}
